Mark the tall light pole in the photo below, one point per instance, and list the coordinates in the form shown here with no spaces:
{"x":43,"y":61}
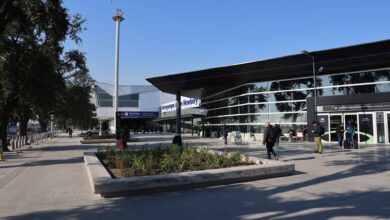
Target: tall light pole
{"x":314,"y":79}
{"x":117,"y":17}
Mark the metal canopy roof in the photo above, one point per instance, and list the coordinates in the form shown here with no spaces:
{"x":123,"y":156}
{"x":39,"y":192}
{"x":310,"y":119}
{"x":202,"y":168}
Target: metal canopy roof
{"x":344,"y":59}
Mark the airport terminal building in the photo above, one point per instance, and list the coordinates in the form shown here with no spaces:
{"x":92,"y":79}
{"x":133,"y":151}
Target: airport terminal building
{"x":138,"y":105}
{"x":351,"y":84}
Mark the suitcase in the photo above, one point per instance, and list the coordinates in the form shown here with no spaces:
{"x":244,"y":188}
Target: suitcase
{"x":355,"y":145}
{"x":350,"y":145}
{"x":346,"y":144}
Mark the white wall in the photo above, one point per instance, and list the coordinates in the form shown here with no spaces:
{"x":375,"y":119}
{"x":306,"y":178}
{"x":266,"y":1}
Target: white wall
{"x":149,"y":101}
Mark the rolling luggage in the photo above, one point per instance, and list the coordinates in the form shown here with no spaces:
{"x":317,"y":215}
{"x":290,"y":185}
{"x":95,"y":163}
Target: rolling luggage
{"x":350,"y":144}
{"x":355,"y":144}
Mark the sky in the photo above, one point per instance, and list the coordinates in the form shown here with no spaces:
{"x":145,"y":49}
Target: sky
{"x":163,"y":37}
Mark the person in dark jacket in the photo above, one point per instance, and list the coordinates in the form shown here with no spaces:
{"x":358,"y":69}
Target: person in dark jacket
{"x":225,"y":132}
{"x":70,"y":131}
{"x":317,"y":133}
{"x":269,"y":140}
{"x":340,"y":134}
{"x":279,"y":133}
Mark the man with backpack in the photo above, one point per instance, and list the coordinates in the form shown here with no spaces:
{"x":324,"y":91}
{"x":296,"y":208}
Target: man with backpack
{"x":318,"y":131}
{"x":269,"y":138}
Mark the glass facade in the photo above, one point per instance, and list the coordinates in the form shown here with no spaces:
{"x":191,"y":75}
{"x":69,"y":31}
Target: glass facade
{"x":105,"y":100}
{"x":283,"y":102}
{"x":130,"y":100}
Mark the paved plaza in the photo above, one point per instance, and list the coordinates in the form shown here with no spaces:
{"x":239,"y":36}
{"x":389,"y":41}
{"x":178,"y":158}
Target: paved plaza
{"x":50,"y":182}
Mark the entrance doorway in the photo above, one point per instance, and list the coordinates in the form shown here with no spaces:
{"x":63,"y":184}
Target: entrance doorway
{"x":363,"y":122}
{"x":335,"y":120}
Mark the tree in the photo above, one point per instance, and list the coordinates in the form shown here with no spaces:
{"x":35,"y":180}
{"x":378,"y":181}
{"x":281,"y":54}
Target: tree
{"x":31,"y":51}
{"x":76,"y":106}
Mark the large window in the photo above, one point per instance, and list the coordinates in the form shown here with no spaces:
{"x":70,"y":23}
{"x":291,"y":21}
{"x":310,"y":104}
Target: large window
{"x":284,"y":101}
{"x":130,"y":100}
{"x":103,"y":98}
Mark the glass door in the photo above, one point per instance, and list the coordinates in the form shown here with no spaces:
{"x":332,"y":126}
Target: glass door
{"x":351,"y":126}
{"x":367,"y":128}
{"x":380,"y":127}
{"x":335,"y":120}
{"x":323,"y":119}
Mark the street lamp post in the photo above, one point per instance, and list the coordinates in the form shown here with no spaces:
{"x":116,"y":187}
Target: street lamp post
{"x":117,"y":17}
{"x":314,"y":79}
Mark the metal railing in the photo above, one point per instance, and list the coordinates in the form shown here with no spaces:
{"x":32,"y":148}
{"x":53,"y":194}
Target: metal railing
{"x":18,"y":141}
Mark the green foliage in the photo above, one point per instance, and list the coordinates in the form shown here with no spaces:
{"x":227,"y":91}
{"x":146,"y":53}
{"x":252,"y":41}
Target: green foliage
{"x":235,"y":157}
{"x":170,"y":160}
{"x":37,"y":77}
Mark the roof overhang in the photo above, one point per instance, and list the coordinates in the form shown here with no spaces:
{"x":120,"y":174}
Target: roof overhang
{"x":346,"y":59}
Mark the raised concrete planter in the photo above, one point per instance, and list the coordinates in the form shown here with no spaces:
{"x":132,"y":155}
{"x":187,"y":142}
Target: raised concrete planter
{"x":103,"y":141}
{"x":102,"y":183}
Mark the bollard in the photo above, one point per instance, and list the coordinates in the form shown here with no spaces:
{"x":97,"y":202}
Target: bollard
{"x":12,"y":143}
{"x":19,"y":144}
{"x":16,"y":143}
{"x":30,"y":140}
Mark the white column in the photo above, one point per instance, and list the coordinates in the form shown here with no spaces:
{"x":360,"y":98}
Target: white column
{"x":117,"y":17}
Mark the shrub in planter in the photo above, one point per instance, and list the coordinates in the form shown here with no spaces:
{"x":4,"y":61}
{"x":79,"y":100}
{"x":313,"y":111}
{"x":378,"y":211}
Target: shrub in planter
{"x":169,"y":160}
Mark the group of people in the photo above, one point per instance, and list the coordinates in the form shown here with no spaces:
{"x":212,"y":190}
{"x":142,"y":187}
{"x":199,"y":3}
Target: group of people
{"x":349,"y":132}
{"x":318,"y":131}
{"x":272,"y":134}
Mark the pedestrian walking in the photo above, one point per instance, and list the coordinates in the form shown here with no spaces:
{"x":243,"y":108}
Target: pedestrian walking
{"x":70,"y":132}
{"x":279,"y":133}
{"x":225,"y":132}
{"x":317,"y":131}
{"x":269,"y":138}
{"x":340,"y":134}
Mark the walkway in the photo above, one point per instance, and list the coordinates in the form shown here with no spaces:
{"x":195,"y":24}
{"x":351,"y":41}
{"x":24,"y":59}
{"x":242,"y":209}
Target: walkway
{"x":50,"y":182}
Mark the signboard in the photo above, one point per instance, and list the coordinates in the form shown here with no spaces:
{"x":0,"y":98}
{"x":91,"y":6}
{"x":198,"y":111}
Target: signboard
{"x":123,"y":115}
{"x":185,"y":103}
{"x":354,"y":107}
{"x":138,"y":114}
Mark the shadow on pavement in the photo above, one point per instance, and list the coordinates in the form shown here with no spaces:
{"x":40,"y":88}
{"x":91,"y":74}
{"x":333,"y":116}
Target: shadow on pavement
{"x":239,"y":201}
{"x":255,"y":200}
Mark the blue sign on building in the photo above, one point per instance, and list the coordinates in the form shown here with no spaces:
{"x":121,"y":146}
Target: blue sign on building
{"x":138,"y":114}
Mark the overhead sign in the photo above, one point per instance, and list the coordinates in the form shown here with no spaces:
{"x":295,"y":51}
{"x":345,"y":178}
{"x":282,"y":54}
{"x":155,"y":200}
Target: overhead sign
{"x":138,"y":114}
{"x":185,"y":103}
{"x":355,"y":107}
